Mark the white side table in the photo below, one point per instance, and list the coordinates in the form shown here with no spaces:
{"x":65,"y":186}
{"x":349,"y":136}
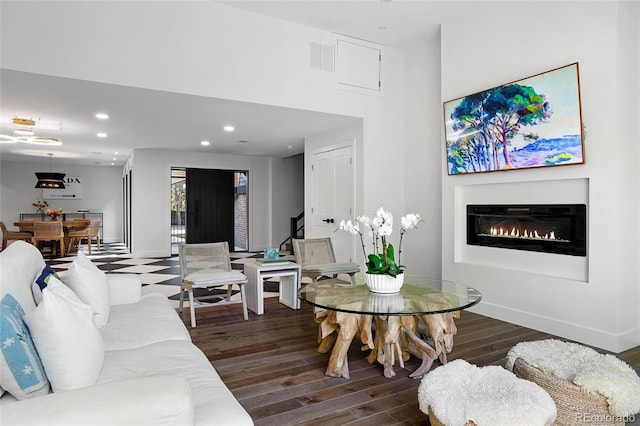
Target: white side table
{"x":256,"y":273}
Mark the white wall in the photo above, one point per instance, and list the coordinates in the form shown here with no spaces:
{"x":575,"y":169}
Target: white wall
{"x":215,"y":51}
{"x":598,"y":301}
{"x":423,"y":164}
{"x":101,"y":192}
{"x":227,"y":53}
{"x":287,"y":194}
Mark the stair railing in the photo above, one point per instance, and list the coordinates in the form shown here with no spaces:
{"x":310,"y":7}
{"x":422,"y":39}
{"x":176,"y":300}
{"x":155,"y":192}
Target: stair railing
{"x":296,"y":225}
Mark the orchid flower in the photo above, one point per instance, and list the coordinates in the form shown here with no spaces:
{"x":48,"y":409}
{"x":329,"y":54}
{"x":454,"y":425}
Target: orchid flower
{"x":380,"y":228}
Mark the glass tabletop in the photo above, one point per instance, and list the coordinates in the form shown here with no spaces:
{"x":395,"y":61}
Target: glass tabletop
{"x":426,"y":297}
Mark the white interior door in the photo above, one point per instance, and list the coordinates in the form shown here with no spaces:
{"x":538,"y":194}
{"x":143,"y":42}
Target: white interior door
{"x":333,"y":182}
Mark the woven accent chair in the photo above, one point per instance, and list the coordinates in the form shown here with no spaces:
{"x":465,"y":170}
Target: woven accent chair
{"x":318,"y":260}
{"x":13,"y":236}
{"x":49,"y":231}
{"x":609,"y":391}
{"x":79,"y":231}
{"x":208,"y":266}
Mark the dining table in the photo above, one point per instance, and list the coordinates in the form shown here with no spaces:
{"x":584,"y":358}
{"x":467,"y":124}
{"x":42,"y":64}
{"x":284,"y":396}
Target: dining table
{"x":67,"y":225}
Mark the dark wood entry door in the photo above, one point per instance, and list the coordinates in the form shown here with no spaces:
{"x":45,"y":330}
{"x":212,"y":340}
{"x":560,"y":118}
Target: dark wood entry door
{"x":210,"y":210}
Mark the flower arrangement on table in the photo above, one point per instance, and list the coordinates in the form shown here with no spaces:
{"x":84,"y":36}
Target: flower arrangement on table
{"x":382,"y":261}
{"x":54,"y":213}
{"x":40,"y":205}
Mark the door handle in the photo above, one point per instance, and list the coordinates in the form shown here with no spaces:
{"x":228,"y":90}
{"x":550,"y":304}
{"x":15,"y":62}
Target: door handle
{"x":328,"y":220}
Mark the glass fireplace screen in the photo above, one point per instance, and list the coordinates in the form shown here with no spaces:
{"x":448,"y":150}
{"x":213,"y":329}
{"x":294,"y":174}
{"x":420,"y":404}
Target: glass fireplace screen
{"x":550,"y":228}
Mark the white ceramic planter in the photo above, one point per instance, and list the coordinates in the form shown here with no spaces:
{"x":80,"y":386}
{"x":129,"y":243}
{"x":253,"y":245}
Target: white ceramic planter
{"x":385,"y":284}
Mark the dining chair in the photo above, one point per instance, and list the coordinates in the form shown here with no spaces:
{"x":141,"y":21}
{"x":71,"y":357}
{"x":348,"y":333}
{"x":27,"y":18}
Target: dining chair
{"x":94,"y":230}
{"x":49,"y":231}
{"x":13,"y":236}
{"x":318,"y":260}
{"x":208,"y":266}
{"x":25,"y":226}
{"x":79,"y":231}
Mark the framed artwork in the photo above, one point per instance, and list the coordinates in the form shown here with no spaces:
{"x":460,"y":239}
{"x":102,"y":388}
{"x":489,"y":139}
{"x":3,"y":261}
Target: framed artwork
{"x":533,"y":122}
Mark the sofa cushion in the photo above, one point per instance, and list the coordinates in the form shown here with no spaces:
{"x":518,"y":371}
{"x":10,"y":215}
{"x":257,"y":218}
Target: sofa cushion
{"x":152,"y":401}
{"x":69,"y":343}
{"x":152,"y":319}
{"x":90,"y":284}
{"x":21,"y":371}
{"x":213,"y":401}
{"x":21,"y":264}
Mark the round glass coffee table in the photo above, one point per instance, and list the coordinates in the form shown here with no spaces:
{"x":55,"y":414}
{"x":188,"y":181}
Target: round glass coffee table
{"x":419,"y":321}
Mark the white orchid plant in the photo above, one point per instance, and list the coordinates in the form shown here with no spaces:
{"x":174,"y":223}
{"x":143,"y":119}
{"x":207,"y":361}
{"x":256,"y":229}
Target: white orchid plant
{"x":382,"y":261}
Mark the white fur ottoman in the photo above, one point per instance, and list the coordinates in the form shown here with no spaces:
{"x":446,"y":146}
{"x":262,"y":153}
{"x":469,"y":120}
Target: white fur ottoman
{"x":587,"y":387}
{"x":460,"y":393}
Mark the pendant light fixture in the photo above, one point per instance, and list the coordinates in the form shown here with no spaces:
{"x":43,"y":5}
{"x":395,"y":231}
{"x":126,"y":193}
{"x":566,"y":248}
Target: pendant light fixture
{"x":50,"y":180}
{"x":25,"y":132}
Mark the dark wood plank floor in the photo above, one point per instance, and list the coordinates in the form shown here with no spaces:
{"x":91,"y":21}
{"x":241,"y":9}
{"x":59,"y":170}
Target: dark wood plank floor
{"x":271,"y":365}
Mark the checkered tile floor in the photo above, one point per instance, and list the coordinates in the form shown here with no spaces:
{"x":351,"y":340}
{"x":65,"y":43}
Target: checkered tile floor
{"x":158,"y":275}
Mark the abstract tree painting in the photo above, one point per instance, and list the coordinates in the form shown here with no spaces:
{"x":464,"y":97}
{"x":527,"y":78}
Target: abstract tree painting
{"x":533,"y":122}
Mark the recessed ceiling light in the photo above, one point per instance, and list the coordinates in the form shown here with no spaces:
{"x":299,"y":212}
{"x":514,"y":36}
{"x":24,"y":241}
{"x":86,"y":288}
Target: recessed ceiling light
{"x":102,"y":116}
{"x":114,"y":158}
{"x":116,"y":153}
{"x":229,"y":128}
{"x":101,"y":134}
{"x":205,"y":143}
{"x":290,"y":147}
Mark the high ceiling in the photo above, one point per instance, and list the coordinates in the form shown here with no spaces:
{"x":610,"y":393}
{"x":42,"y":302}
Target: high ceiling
{"x":141,"y":118}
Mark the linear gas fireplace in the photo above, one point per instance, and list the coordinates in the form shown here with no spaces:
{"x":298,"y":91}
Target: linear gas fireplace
{"x":549,"y":228}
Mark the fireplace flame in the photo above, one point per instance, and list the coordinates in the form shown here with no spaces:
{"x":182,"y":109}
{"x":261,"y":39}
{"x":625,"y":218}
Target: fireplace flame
{"x":524,"y":234}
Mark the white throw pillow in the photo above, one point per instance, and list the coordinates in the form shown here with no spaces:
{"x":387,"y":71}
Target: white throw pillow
{"x":82,"y":259}
{"x":69,"y":343}
{"x":91,"y":286}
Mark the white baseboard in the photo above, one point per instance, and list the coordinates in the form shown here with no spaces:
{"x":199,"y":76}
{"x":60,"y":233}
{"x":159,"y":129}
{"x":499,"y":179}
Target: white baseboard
{"x":597,"y":338}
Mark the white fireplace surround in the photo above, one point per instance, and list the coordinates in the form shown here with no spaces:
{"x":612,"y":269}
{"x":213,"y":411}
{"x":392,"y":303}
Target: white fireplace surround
{"x":568,"y":191}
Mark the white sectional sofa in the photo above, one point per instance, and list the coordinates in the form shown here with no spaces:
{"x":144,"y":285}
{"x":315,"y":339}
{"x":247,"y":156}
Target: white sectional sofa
{"x":132,"y":364}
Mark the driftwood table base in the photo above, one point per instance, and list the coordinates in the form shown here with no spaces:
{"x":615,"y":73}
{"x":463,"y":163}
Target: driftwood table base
{"x":416,"y":321}
{"x":396,"y":337}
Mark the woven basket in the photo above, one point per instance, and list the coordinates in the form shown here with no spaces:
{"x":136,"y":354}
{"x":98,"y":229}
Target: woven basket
{"x":434,"y":421}
{"x":574,"y":406}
